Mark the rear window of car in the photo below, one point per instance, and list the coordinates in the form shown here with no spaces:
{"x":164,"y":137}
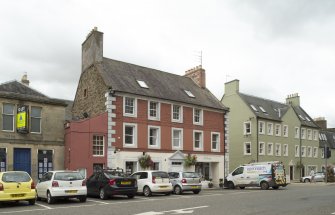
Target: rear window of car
{"x":160,"y":174}
{"x":113,"y":174}
{"x":68,"y":176}
{"x":16,"y":177}
{"x":190,"y":175}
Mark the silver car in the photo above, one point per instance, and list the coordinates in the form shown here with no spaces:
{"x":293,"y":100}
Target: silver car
{"x":185,"y":181}
{"x":319,"y":176}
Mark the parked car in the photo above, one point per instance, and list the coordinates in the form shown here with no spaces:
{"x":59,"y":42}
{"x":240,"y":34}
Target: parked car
{"x":106,"y":183}
{"x":185,"y":181}
{"x":17,"y":186}
{"x":319,"y":176}
{"x":61,"y":184}
{"x":153,"y":182}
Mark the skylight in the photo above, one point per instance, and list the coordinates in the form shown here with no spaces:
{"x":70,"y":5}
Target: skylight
{"x":262,"y":109}
{"x":308,"y":119}
{"x":301,"y":117}
{"x":142,"y":84}
{"x":189,"y":93}
{"x":254,"y":108}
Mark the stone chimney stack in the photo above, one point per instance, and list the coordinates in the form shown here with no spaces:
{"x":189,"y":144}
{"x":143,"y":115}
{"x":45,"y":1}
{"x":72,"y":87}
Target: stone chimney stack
{"x":92,"y":49}
{"x":293,"y":99}
{"x":321,"y":122}
{"x":198,"y":75}
{"x":24,"y":79}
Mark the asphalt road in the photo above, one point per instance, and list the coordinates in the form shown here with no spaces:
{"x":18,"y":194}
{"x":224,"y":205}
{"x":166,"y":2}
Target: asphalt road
{"x":306,"y":199}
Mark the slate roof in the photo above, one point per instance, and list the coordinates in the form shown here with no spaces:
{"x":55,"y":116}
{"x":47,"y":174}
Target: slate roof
{"x":122,"y":77}
{"x":272,"y":110}
{"x":304,"y":118}
{"x":19,"y":91}
{"x":327,"y":138}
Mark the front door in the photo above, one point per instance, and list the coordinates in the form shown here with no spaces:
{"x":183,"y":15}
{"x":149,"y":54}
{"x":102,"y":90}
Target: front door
{"x":291,"y":173}
{"x":22,"y":160}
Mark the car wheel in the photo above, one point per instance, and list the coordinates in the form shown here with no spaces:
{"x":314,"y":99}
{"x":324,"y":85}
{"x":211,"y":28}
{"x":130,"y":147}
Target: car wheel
{"x":82,"y":198}
{"x":196,"y":191}
{"x":177,"y":190}
{"x":147,"y":191}
{"x":242,"y":188}
{"x":231,"y":185}
{"x":102,"y":194}
{"x":264,"y":185}
{"x":275,"y":187}
{"x":130,"y":196}
{"x":32,"y":201}
{"x":306,"y":180}
{"x":50,"y":199}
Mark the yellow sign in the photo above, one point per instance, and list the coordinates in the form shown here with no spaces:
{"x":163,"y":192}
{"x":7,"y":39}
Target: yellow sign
{"x":21,"y":120}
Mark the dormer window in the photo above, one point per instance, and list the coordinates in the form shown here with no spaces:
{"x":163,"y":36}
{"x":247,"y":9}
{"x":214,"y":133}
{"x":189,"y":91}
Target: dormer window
{"x":254,"y":108}
{"x":142,"y":84}
{"x":189,"y":93}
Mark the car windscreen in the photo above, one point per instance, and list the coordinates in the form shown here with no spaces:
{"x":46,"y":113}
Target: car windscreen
{"x":190,"y":175}
{"x":68,"y":176}
{"x":15,"y":177}
{"x":160,"y":174}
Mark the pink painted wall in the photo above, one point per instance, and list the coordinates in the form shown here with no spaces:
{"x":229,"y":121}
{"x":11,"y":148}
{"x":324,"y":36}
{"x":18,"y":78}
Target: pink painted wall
{"x":79,"y":143}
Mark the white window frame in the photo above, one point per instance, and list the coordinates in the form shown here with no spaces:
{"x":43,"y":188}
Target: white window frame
{"x":103,"y":145}
{"x":180,"y":140}
{"x":261,"y":127}
{"x":200,"y":117}
{"x":245,"y":128}
{"x":269,"y":129}
{"x":201,"y":148}
{"x":158,"y":139}
{"x":134,"y":108}
{"x":142,"y":84}
{"x":180,"y":120}
{"x":322,"y":152}
{"x":134,"y":145}
{"x":36,"y":117}
{"x":13,"y":116}
{"x":315,"y":135}
{"x":259,"y":148}
{"x":303,"y":133}
{"x":285,"y":130}
{"x":217,"y":143}
{"x":271,"y":152}
{"x":278,"y":152}
{"x":285,"y":150}
{"x":245,"y":148}
{"x":296,"y":150}
{"x":296,"y":132}
{"x":309,"y":152}
{"x":315,"y":152}
{"x":303,"y":151}
{"x":309,"y":134}
{"x":158,"y":110}
{"x":278,"y":130}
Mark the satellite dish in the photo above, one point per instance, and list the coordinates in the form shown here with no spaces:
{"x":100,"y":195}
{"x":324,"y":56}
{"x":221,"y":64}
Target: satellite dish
{"x":85,"y":114}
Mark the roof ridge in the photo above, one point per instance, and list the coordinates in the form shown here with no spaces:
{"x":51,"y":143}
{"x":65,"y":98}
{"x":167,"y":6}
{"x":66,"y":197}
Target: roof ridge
{"x":270,"y":100}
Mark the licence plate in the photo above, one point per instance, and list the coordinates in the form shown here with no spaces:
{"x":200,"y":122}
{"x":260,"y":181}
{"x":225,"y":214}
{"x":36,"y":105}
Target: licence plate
{"x":70,"y":191}
{"x":194,"y":187}
{"x":17,"y":195}
{"x":163,"y":186}
{"x":125,"y":182}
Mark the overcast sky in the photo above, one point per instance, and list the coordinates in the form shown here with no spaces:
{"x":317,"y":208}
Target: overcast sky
{"x":275,"y":48}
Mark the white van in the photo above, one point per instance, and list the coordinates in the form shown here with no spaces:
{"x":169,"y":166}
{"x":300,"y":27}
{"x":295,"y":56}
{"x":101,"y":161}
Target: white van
{"x":263,"y":174}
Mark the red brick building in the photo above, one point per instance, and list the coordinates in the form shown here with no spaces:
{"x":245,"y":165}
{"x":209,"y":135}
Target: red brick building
{"x":146,"y":111}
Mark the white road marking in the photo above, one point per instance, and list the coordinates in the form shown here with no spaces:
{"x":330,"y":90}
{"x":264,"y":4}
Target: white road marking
{"x":10,"y":212}
{"x":176,"y":211}
{"x":104,"y":203}
{"x":333,"y":213}
{"x":44,"y":206}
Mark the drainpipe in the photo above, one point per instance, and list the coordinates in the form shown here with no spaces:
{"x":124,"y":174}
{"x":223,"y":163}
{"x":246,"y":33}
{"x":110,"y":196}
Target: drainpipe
{"x":257,"y":145}
{"x":300,"y":144}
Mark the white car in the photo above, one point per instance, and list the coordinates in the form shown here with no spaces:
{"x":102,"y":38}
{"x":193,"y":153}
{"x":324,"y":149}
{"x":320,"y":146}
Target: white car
{"x":153,"y":181}
{"x":61,"y":185}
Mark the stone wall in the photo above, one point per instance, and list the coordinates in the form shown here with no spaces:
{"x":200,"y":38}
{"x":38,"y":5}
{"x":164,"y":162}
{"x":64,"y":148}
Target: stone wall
{"x":90,"y":95}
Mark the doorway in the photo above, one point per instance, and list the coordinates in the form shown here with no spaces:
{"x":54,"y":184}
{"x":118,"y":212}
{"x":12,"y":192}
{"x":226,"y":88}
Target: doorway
{"x":291,"y":173}
{"x":22,"y":160}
